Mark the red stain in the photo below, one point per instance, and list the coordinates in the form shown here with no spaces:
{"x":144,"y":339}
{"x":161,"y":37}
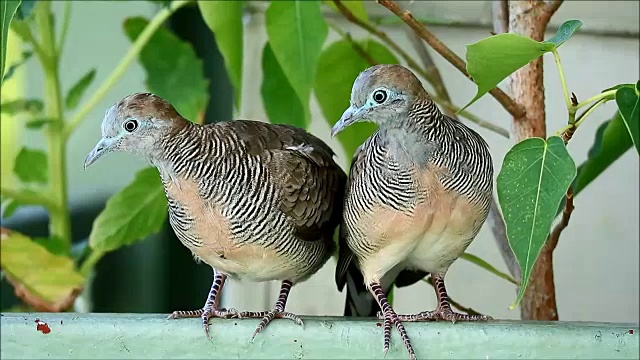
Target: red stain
{"x":42,"y":326}
{"x":378,"y":324}
{"x":631,"y":332}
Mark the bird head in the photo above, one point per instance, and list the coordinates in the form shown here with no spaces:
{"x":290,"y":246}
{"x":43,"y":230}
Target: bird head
{"x":135,"y":124}
{"x":381,"y":94}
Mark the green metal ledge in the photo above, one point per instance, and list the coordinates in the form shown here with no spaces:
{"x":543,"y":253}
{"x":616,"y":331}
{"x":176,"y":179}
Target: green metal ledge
{"x":135,"y":336}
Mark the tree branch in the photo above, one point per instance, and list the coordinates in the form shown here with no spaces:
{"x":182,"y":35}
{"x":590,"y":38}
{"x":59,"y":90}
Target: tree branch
{"x":515,"y":109}
{"x":446,"y":104}
{"x":431,"y":68}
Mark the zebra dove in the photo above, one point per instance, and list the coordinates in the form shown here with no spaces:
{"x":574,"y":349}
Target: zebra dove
{"x":418,"y":192}
{"x":253,"y":200}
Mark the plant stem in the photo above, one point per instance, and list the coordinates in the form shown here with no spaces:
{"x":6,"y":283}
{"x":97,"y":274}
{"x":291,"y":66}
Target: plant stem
{"x":609,"y":95}
{"x":90,"y":262}
{"x":588,"y":112}
{"x":29,"y":198}
{"x":120,"y":69}
{"x":59,"y":221}
{"x":65,"y":25}
{"x":567,"y":99}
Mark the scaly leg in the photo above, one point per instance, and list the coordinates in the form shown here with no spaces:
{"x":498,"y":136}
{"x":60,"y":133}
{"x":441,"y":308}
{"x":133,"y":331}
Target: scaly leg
{"x":277,"y":312}
{"x":443,"y":311}
{"x":390,"y":317}
{"x":210,"y":308}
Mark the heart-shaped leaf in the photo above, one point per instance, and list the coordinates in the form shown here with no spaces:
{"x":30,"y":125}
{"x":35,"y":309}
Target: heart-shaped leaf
{"x":45,"y":281}
{"x":174,"y":71}
{"x":333,"y":92}
{"x":533,"y":180}
{"x":224,"y":18}
{"x":491,"y":60}
{"x":628,"y":100}
{"x":132,"y":214}
{"x":296,"y":31}
{"x":565,"y":31}
{"x":280,"y":101}
{"x":75,"y":93}
{"x":31,"y":166}
{"x":8,"y":10}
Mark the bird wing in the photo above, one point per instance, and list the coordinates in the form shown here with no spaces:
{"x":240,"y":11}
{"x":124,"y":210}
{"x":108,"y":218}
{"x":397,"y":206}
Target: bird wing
{"x":311,"y":184}
{"x":345,"y":255}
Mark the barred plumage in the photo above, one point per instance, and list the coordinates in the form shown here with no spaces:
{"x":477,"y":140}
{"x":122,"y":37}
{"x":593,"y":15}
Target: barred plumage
{"x":419,"y":190}
{"x":255,"y":201}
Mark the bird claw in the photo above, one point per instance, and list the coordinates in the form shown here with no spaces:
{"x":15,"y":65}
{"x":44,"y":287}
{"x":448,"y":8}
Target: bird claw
{"x":390,"y":318}
{"x":267,"y":316}
{"x":443,"y":314}
{"x":205,"y":314}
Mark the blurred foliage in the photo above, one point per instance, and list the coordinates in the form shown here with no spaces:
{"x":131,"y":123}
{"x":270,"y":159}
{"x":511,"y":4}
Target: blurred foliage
{"x":297,"y":61}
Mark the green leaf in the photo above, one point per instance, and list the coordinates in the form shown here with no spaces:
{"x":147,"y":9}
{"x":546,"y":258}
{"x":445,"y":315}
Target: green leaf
{"x":132,"y":214}
{"x":490,"y":268}
{"x":7,"y":12}
{"x":355,"y":6}
{"x":162,"y":3}
{"x":333,"y":92}
{"x":55,"y":245}
{"x":75,"y":93}
{"x":33,"y":106}
{"x":611,"y":141}
{"x":37,"y":123}
{"x":533,"y":180}
{"x":13,"y":67}
{"x":565,"y":31}
{"x":618,"y":87}
{"x":25,"y":9}
{"x":491,"y":60}
{"x":174,"y":71}
{"x":280,"y":101}
{"x":48,"y":282}
{"x":9,"y":207}
{"x":31,"y":166}
{"x":296,"y":31}
{"x":224,"y":18}
{"x":628,"y":101}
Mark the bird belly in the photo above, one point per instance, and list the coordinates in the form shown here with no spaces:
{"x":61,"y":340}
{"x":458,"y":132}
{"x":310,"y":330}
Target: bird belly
{"x":209,"y":238}
{"x":454,"y":224}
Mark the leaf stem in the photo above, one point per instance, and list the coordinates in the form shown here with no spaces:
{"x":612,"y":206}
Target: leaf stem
{"x":90,"y":262}
{"x":59,"y":223}
{"x":120,"y":69}
{"x":65,"y":25}
{"x":28,"y":197}
{"x":515,"y":109}
{"x":609,"y":95}
{"x":567,"y":99}
{"x":588,"y":112}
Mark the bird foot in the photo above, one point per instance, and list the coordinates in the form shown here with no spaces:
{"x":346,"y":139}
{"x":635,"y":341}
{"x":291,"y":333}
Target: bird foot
{"x":391,"y":318}
{"x":267,"y":316}
{"x":205,"y":314}
{"x":440,"y":314}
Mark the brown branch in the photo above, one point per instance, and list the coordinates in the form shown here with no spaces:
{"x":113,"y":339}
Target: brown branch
{"x":362,"y":52}
{"x":383,"y":37}
{"x":552,"y":6}
{"x":445,"y":104}
{"x":431,"y":68}
{"x":515,"y":109}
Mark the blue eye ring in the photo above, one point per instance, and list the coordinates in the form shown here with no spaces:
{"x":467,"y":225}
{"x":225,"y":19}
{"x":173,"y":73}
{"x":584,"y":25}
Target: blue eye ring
{"x":130,"y":125}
